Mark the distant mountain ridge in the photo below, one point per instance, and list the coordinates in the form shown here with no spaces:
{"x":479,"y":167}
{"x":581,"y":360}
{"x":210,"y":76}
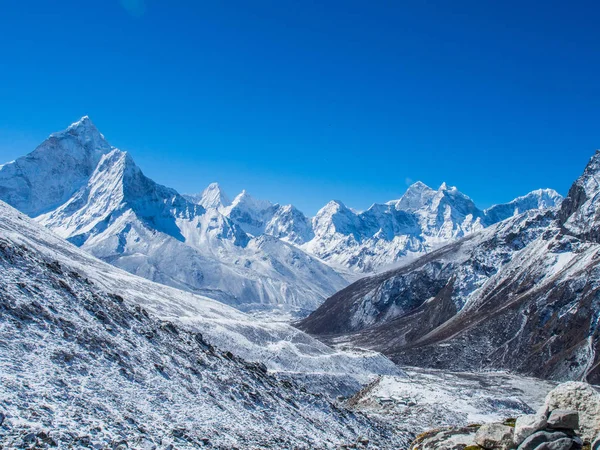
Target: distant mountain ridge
{"x":383,"y":235}
{"x":249,"y":253}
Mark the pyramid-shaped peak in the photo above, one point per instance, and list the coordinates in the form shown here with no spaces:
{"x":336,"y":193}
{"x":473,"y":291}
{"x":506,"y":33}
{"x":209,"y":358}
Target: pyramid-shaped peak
{"x":418,"y":186}
{"x":214,"y":197}
{"x":84,"y":126}
{"x":245,"y":200}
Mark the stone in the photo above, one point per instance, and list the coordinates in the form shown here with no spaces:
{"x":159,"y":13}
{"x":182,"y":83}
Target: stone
{"x":539,"y":438}
{"x":580,"y":397}
{"x":528,"y":424}
{"x":29,"y":438}
{"x":495,"y":436}
{"x":446,"y":439}
{"x":563,"y":419}
{"x":561,"y":444}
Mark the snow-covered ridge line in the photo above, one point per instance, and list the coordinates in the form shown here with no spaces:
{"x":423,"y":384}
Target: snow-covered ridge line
{"x":383,"y":235}
{"x":248,"y":253}
{"x":95,"y":196}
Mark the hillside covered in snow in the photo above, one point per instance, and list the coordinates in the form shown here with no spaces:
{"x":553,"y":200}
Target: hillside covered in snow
{"x":92,"y":355}
{"x":521,"y":295}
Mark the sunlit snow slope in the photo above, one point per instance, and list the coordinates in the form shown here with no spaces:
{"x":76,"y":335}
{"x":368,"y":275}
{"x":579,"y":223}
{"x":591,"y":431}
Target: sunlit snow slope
{"x":93,"y":357}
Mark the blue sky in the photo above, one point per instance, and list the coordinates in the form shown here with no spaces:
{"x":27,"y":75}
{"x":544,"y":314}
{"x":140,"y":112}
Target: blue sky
{"x":306,"y":101}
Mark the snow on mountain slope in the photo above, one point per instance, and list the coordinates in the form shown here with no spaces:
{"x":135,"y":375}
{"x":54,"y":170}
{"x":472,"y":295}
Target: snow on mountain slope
{"x":112,"y":210}
{"x":466,"y":264}
{"x":422,"y":220}
{"x":521,"y":295}
{"x":281,"y":347}
{"x":579,"y":213}
{"x":212,"y":197}
{"x":540,"y":199}
{"x":426,"y":398}
{"x":55,"y":170}
{"x":93,"y":357}
{"x":259,"y":217}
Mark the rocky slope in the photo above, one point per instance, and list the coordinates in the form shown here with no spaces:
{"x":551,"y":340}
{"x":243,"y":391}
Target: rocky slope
{"x":282,"y":348}
{"x":93,"y":357}
{"x":95,"y":196}
{"x":521,"y":295}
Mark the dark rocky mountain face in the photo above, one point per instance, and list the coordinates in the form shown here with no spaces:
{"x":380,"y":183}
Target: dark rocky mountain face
{"x":522,"y":295}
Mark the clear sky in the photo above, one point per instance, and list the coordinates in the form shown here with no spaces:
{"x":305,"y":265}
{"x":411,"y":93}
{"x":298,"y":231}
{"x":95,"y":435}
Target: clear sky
{"x":302,"y":101}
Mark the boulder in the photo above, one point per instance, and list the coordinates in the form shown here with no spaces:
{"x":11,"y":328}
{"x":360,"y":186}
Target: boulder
{"x":561,"y":444}
{"x":446,"y":439}
{"x":528,"y":424}
{"x":563,"y":419}
{"x":539,"y":438}
{"x":580,"y":397}
{"x":495,"y":436}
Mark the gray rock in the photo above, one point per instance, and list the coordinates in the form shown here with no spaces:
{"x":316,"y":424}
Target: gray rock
{"x":581,"y":397}
{"x":528,"y":424}
{"x":561,"y":444}
{"x":564,"y":419}
{"x":29,"y":438}
{"x":495,"y":436}
{"x":446,"y":439}
{"x":539,"y":438}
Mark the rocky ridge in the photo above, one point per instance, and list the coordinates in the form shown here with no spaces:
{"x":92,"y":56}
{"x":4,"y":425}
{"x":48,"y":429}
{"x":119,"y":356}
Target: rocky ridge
{"x":521,"y":295}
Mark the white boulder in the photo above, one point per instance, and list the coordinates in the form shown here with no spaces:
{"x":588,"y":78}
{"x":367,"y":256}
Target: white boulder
{"x":580,"y":397}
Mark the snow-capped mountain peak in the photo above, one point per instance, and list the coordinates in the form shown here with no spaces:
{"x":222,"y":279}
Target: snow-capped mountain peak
{"x":538,"y":199}
{"x":86,"y":133}
{"x":579,"y":212}
{"x":55,"y":170}
{"x":416,"y":196}
{"x":211,"y":197}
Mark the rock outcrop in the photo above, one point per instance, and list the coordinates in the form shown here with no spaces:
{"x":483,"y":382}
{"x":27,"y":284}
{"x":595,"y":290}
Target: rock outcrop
{"x":551,"y":428}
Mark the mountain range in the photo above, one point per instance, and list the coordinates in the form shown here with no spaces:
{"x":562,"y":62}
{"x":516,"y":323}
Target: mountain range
{"x":120,"y":308}
{"x":520,"y":295}
{"x":245,"y":252}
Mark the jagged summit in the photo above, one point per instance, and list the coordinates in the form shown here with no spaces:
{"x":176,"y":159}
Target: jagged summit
{"x":538,"y":199}
{"x":86,"y":132}
{"x":579,"y":212}
{"x":248,"y":201}
{"x":84,"y":123}
{"x":55,"y":170}
{"x":212,"y":197}
{"x":415,"y":197}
